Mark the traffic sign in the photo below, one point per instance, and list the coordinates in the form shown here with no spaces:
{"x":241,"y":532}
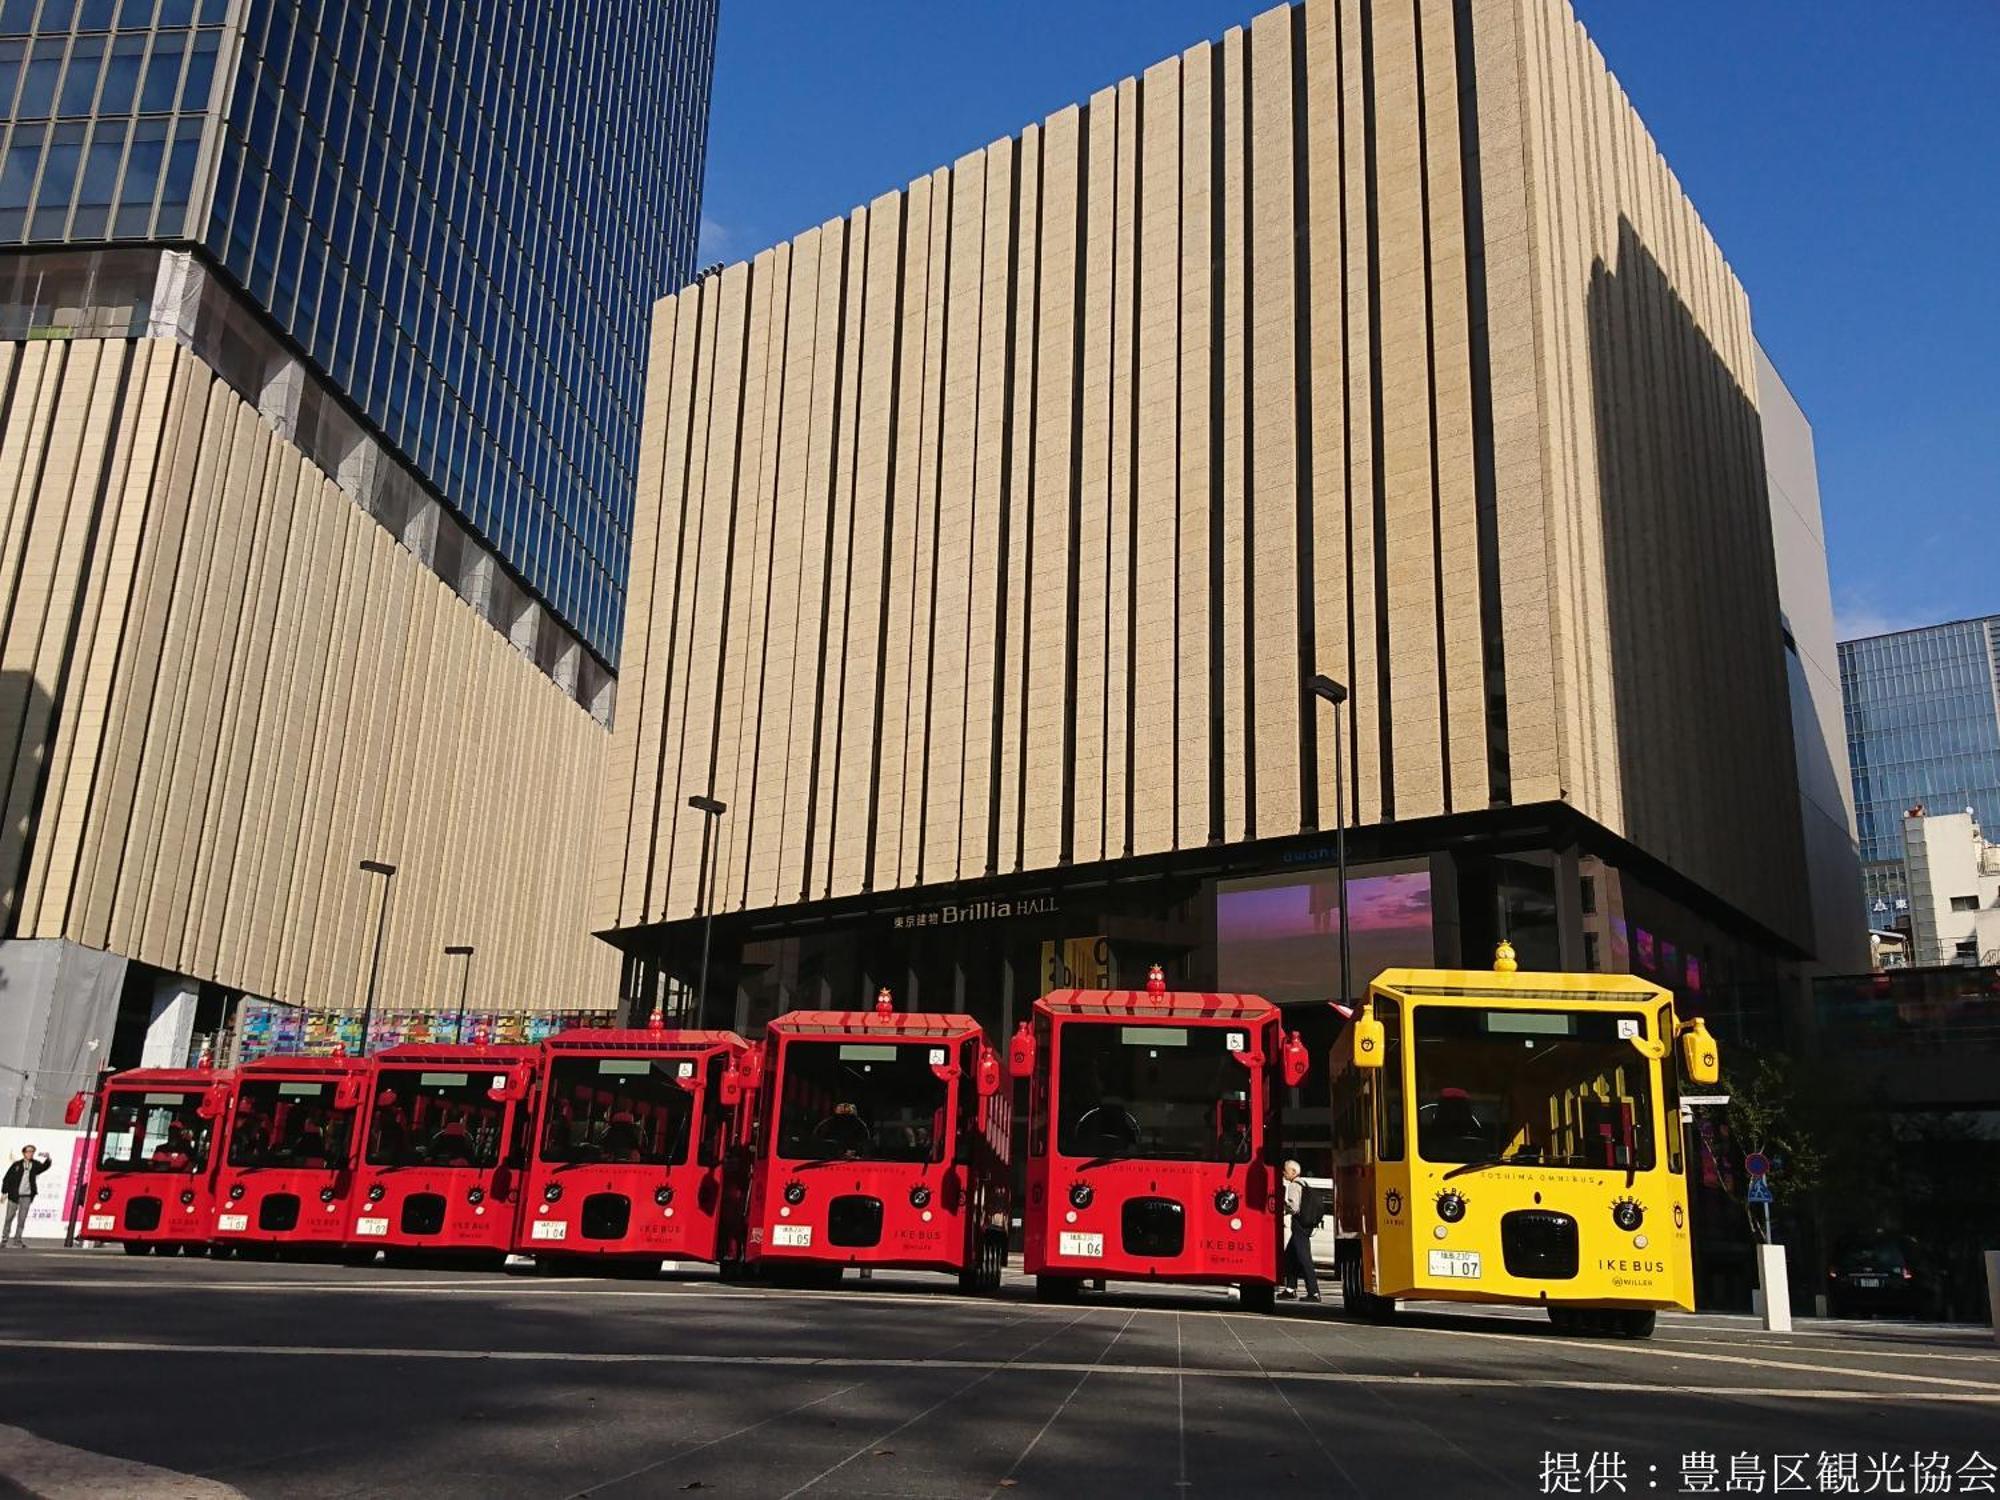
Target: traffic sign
{"x":1760,"y":1190}
{"x":1757,"y":1164}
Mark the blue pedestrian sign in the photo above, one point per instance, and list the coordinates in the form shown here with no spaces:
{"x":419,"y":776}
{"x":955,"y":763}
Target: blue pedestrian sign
{"x":1760,"y":1189}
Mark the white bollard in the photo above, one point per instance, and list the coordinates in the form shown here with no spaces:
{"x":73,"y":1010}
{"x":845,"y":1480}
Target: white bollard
{"x":1776,"y":1288}
{"x":1993,"y":1290}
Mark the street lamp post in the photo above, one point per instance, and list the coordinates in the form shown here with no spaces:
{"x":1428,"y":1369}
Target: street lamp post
{"x":1335,"y":694}
{"x":711,"y":812}
{"x":464,"y":951}
{"x":388,"y":873}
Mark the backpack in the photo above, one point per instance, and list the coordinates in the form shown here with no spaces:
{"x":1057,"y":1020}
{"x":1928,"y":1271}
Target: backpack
{"x":1312,"y":1208}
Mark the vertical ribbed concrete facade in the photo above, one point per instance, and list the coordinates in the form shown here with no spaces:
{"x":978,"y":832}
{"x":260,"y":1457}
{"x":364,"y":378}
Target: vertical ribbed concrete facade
{"x":997,"y":526}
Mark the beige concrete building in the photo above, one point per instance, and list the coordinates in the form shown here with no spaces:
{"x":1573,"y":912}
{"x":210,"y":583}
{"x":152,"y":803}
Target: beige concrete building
{"x":223,"y":684}
{"x":987,"y":538}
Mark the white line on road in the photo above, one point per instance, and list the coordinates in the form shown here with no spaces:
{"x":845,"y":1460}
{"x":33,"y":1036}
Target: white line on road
{"x":1977,"y":1395}
{"x":56,"y":1471}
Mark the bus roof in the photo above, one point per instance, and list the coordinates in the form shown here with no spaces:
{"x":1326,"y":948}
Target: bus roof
{"x":500,"y":1055}
{"x":1181,"y":1004}
{"x":875,"y":1023}
{"x":641,"y":1039}
{"x":300,"y":1062}
{"x":182,"y":1078}
{"x":1520,"y":988}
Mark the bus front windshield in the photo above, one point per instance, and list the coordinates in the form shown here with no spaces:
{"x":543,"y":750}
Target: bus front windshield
{"x":627,"y":1110}
{"x":864,"y":1101}
{"x":289,"y":1123}
{"x":1161,"y":1093}
{"x":154,"y":1132}
{"x":1552,"y":1088}
{"x":430,"y":1117}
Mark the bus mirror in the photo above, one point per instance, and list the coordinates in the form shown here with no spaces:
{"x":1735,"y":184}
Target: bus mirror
{"x":1021,"y":1052}
{"x":750,"y":1067}
{"x":1699,"y":1059}
{"x":1297,"y":1061}
{"x":501,"y":1093}
{"x":347,"y":1094}
{"x":988,"y":1072}
{"x":732,"y":1086}
{"x":1370,"y":1040}
{"x":214,"y":1103}
{"x":78,"y":1103}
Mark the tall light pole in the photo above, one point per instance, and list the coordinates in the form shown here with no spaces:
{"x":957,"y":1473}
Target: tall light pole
{"x":711,"y":812}
{"x":1335,"y":693}
{"x":464,"y":951}
{"x":388,"y":873}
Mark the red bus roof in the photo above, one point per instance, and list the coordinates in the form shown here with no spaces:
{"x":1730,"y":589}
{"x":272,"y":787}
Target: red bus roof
{"x":875,"y":1023}
{"x":180,"y":1078}
{"x":1195,"y":1005}
{"x":299,"y":1062}
{"x":499,"y":1055}
{"x":641,"y":1039}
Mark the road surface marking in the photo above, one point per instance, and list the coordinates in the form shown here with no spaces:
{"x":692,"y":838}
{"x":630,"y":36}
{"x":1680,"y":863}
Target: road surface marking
{"x":1977,"y":1394}
{"x":1084,"y":1373}
{"x":56,"y":1471}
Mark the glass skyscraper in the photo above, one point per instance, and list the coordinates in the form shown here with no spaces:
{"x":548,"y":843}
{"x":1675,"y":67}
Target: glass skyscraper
{"x":1923,"y":725}
{"x":459,"y":213}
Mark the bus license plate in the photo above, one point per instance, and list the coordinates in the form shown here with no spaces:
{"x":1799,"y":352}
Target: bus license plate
{"x":233,"y":1221}
{"x":1083,"y":1246}
{"x":1458,"y":1264}
{"x":799,"y":1236}
{"x":371,"y":1226}
{"x":549,"y":1229}
{"x":103,"y":1221}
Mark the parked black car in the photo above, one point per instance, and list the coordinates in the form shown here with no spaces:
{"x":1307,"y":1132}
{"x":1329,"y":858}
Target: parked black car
{"x":1886,"y":1274}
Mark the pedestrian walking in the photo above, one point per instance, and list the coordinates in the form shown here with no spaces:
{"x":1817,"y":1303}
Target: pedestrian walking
{"x":1305,"y":1206}
{"x":18,"y":1187}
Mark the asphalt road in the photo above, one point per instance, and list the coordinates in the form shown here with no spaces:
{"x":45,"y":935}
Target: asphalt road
{"x":321,"y":1380}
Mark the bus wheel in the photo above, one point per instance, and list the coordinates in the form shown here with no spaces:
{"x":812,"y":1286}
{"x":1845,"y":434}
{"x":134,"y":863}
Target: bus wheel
{"x":1637,"y":1324}
{"x":1258,"y":1296}
{"x":1565,"y":1320}
{"x":1057,"y":1289}
{"x":137,"y":1247}
{"x":358,"y":1257}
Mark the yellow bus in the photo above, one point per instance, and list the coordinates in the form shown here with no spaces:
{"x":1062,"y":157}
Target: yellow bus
{"x":1502,"y":1137}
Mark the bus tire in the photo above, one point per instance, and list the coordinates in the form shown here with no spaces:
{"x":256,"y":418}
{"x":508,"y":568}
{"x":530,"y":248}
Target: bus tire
{"x":1635,"y":1323}
{"x":358,"y":1257}
{"x":137,"y":1247}
{"x":1062,"y":1289}
{"x":1258,"y":1296}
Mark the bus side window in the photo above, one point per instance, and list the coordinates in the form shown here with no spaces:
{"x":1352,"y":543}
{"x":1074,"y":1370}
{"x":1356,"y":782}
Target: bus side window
{"x":1389,"y":1082}
{"x":1038,"y":1089}
{"x":712,"y":1113}
{"x":1670,"y":1089}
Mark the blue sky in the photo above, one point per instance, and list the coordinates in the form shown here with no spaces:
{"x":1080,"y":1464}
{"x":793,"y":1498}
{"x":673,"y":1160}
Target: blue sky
{"x":1845,"y":153}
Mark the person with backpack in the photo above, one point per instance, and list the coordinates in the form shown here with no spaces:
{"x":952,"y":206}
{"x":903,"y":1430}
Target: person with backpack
{"x":1305,"y":1206}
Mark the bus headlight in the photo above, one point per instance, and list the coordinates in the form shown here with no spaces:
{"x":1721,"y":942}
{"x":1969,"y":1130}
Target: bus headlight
{"x":1226,"y":1200}
{"x":663,"y":1195}
{"x":920,"y":1196}
{"x":326,"y":1195}
{"x":187,"y":1197}
{"x":1627,"y":1214}
{"x":1080,"y":1195}
{"x":104,"y":1195}
{"x":553,"y":1192}
{"x":475,"y":1195}
{"x":235,"y":1191}
{"x":1451,"y":1205}
{"x":375,"y":1192}
{"x":795,"y":1193}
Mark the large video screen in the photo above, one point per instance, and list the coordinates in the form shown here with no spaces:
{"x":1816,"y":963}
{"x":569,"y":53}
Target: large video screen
{"x":1279,"y":935}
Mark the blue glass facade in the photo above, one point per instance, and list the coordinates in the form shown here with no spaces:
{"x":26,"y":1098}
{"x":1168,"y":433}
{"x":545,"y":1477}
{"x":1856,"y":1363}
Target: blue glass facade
{"x":1923,"y":725}
{"x":461,"y":212}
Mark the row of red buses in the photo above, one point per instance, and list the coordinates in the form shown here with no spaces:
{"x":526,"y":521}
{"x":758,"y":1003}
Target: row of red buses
{"x":845,"y":1138}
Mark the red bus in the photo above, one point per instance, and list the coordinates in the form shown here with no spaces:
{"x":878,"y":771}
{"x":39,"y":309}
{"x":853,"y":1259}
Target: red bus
{"x":152,"y":1176}
{"x":640,"y":1149}
{"x":289,"y":1153}
{"x":441,"y":1167}
{"x":885,"y":1142}
{"x":1152,"y":1138}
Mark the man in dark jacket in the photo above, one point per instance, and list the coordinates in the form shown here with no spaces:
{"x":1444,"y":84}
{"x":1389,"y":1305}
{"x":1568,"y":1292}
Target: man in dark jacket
{"x":18,"y":1187}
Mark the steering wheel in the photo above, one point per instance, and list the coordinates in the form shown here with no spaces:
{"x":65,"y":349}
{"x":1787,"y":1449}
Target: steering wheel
{"x":842,"y":1132}
{"x":1109,"y":1123}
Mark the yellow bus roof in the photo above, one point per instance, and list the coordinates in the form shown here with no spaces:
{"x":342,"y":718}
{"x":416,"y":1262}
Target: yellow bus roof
{"x":1519,"y":989}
